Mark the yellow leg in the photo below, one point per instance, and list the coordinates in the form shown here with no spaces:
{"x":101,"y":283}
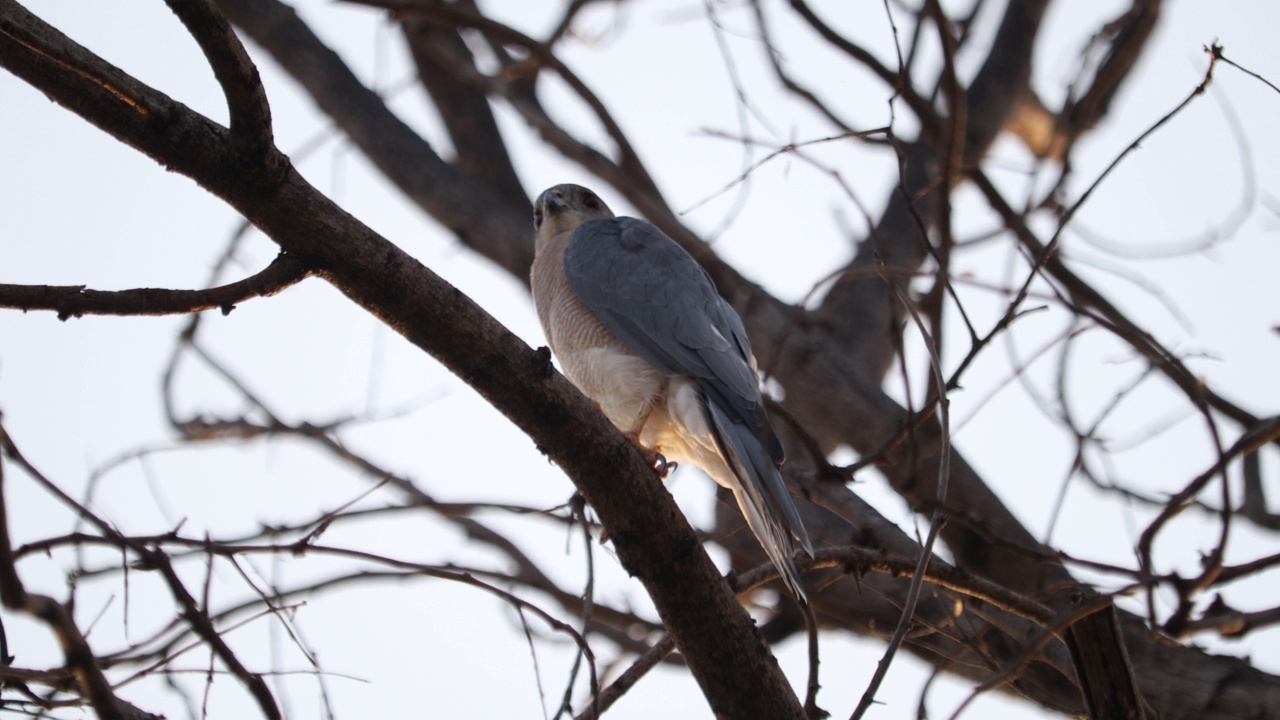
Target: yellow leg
{"x":642,"y":417}
{"x":660,"y":464}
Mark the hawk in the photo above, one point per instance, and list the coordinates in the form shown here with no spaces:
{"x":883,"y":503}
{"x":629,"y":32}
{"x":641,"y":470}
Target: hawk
{"x":640,"y":329}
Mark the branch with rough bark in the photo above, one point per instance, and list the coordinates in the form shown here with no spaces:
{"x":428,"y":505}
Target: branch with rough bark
{"x":717,"y":638}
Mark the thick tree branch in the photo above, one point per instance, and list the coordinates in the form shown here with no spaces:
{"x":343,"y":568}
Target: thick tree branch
{"x":481,"y":153}
{"x":251,"y":134}
{"x":719,"y":641}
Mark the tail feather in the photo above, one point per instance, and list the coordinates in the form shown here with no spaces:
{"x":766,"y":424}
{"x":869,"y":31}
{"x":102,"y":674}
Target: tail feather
{"x":776,"y":542}
{"x":762,"y":496}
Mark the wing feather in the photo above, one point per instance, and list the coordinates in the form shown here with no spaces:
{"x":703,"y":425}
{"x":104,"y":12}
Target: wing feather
{"x":654,"y":296}
{"x":659,"y":301}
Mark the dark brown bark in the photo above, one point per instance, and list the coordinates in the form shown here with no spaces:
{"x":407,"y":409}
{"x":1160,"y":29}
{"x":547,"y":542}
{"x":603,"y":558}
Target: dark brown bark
{"x":717,"y":639}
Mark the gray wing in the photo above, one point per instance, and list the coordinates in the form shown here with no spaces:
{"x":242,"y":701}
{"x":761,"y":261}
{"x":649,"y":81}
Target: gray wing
{"x":654,"y":296}
{"x":659,"y":301}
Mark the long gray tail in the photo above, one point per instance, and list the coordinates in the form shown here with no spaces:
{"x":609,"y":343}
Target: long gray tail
{"x":762,"y":496}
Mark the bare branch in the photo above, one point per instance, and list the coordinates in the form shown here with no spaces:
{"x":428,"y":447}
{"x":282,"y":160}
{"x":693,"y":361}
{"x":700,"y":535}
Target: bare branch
{"x":79,"y":657}
{"x":251,"y":133}
{"x":77,"y":301}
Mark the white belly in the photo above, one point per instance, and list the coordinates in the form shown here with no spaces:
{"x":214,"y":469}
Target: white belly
{"x":618,"y":381}
{"x":623,"y":385}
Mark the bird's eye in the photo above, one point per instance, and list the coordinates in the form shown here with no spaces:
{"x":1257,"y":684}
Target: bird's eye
{"x":592,"y":202}
{"x":537,"y":218}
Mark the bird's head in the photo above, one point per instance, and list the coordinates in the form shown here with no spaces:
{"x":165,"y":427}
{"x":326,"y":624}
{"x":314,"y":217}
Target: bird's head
{"x":563,"y":208}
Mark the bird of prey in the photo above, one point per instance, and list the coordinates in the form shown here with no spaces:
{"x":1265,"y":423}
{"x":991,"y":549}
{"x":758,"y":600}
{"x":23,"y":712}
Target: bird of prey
{"x":640,"y":329}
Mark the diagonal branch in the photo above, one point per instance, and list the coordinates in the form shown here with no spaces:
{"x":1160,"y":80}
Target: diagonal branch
{"x":719,"y":641}
{"x":251,"y":134}
{"x":480,"y":152}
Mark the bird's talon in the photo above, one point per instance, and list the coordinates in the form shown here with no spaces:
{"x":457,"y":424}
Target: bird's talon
{"x":663,"y":467}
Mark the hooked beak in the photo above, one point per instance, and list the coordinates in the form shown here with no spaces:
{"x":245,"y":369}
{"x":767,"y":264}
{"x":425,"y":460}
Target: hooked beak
{"x":553,"y":202}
